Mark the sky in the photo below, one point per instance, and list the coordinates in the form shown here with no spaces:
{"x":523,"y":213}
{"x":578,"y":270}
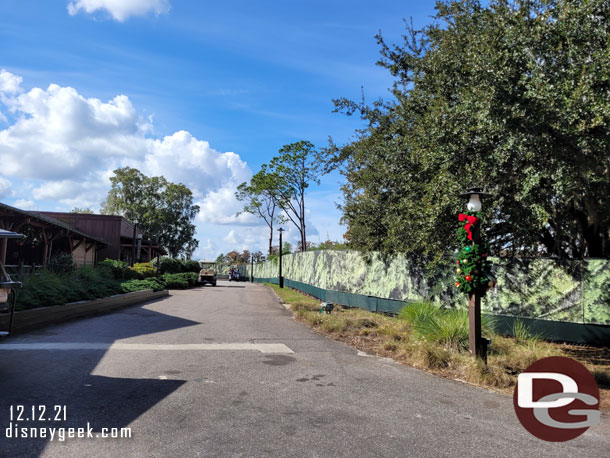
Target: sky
{"x":200,"y":92}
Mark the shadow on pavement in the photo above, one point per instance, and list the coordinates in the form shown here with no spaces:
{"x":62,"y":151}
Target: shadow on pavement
{"x":52,"y":378}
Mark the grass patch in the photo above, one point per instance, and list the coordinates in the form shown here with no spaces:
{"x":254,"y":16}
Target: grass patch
{"x":436,"y":339}
{"x":448,"y":327}
{"x":290,"y":296}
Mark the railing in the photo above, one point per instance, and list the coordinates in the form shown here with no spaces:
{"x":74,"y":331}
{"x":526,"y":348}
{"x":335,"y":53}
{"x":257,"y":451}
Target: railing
{"x":22,"y":270}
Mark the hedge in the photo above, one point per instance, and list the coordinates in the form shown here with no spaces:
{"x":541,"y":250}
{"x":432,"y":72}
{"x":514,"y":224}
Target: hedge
{"x":86,"y":283}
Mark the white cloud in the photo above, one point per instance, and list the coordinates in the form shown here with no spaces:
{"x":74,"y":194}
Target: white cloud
{"x":231,"y":238}
{"x":120,"y":10}
{"x":5,"y":187}
{"x":182,"y":158}
{"x":73,"y":143}
{"x":25,"y":204}
{"x":59,"y":149}
{"x":63,"y":147}
{"x":58,"y":133}
{"x":220,"y":207}
{"x":9,"y":83}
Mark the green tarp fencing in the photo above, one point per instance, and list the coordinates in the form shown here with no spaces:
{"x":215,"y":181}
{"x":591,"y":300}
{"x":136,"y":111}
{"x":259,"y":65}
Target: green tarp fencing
{"x":559,"y":331}
{"x":549,"y":289}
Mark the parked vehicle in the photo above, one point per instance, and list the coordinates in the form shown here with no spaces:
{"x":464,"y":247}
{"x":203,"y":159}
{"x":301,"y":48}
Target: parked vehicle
{"x":207,"y":274}
{"x":233,"y":274}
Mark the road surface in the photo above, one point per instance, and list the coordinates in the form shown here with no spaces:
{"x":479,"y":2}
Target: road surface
{"x":226,"y":371}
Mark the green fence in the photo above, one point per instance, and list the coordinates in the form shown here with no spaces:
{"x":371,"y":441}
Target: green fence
{"x":559,"y":331}
{"x":568,"y":291}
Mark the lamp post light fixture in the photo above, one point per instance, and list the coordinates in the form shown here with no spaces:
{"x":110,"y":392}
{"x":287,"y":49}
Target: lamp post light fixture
{"x":478,"y":345}
{"x":281,"y":279}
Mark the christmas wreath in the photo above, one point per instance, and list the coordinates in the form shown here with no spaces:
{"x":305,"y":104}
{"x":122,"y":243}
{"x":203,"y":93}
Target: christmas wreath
{"x":474,"y":273}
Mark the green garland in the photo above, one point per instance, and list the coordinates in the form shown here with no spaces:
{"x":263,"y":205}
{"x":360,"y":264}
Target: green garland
{"x":474,"y":273}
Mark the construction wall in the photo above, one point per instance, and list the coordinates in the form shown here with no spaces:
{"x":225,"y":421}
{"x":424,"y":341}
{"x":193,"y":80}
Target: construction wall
{"x":574,"y":291}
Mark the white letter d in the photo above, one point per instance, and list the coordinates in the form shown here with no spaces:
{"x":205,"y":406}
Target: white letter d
{"x":526,"y":391}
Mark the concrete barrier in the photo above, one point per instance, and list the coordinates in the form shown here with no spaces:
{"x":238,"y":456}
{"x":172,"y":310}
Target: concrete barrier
{"x":26,"y":320}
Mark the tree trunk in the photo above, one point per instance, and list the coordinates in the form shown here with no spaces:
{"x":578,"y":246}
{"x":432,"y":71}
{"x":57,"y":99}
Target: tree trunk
{"x":303,"y":234}
{"x":271,"y":239}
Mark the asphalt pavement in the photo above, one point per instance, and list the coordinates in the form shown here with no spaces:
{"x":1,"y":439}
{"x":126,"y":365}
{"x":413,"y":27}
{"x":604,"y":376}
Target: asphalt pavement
{"x":226,"y":371}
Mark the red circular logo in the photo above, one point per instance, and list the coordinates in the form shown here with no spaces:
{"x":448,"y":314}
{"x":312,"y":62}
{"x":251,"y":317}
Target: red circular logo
{"x":556,"y":399}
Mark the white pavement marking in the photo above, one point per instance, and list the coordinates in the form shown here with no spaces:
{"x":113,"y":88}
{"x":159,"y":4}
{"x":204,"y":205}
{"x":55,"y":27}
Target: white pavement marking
{"x":263,"y":348}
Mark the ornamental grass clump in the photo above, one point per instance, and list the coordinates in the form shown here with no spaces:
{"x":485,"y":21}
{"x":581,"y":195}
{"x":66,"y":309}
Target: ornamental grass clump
{"x":448,"y":327}
{"x":523,"y":334}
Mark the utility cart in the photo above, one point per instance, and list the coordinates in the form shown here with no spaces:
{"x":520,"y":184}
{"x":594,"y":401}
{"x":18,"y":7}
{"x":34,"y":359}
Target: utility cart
{"x":8,"y":287}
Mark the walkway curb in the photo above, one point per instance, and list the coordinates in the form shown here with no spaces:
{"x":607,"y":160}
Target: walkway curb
{"x":27,"y":320}
{"x":280,"y":300}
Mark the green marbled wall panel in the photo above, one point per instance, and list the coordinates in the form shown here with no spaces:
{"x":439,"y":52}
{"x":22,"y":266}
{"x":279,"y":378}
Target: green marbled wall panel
{"x":596,"y":293}
{"x":536,"y":288}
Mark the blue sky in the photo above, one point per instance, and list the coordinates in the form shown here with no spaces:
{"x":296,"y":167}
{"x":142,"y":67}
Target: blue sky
{"x":200,"y":92}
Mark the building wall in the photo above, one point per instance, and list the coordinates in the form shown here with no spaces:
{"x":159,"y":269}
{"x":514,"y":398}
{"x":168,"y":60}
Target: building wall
{"x":82,"y":257}
{"x":104,"y":227}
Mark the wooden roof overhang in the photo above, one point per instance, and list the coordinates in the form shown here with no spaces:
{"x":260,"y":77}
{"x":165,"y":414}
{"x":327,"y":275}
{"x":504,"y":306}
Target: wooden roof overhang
{"x":13,"y":219}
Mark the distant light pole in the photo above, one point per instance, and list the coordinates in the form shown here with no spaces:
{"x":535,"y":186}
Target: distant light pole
{"x":478,"y":346}
{"x":280,"y":230}
{"x":139,"y":247}
{"x":133,"y":244}
{"x":252,"y":268}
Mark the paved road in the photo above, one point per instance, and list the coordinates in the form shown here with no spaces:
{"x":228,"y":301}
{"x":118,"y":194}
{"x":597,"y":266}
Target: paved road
{"x":157,"y":368}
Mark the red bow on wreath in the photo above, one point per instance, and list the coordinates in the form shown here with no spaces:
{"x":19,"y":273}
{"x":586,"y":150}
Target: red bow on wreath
{"x":471,"y":220}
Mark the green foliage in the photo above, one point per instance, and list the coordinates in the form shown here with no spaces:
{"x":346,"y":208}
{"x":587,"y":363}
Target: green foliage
{"x":61,"y":263}
{"x":329,"y":245}
{"x":168,"y":265}
{"x":163,"y":210}
{"x":180,"y":281}
{"x":49,"y":288}
{"x":511,"y":96}
{"x":473,"y":270}
{"x":87,"y":210}
{"x":189,"y":265}
{"x":448,"y":327}
{"x":119,"y":269}
{"x":294,"y":170}
{"x":144,"y":270}
{"x":260,"y":198}
{"x":140,"y":285}
{"x":523,"y":334}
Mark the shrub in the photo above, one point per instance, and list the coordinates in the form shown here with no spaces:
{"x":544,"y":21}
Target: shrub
{"x":45,"y":288}
{"x":140,"y":285}
{"x":144,"y":270}
{"x":96,"y":282}
{"x":61,"y":263}
{"x":50,"y":288}
{"x":188,"y":265}
{"x":180,"y":281}
{"x":167,"y":265}
{"x":120,"y":269}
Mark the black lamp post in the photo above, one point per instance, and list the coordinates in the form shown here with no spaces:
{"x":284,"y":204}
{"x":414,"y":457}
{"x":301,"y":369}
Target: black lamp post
{"x":280,"y":230}
{"x":252,"y":268}
{"x":478,"y":345}
{"x":133,"y":244}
